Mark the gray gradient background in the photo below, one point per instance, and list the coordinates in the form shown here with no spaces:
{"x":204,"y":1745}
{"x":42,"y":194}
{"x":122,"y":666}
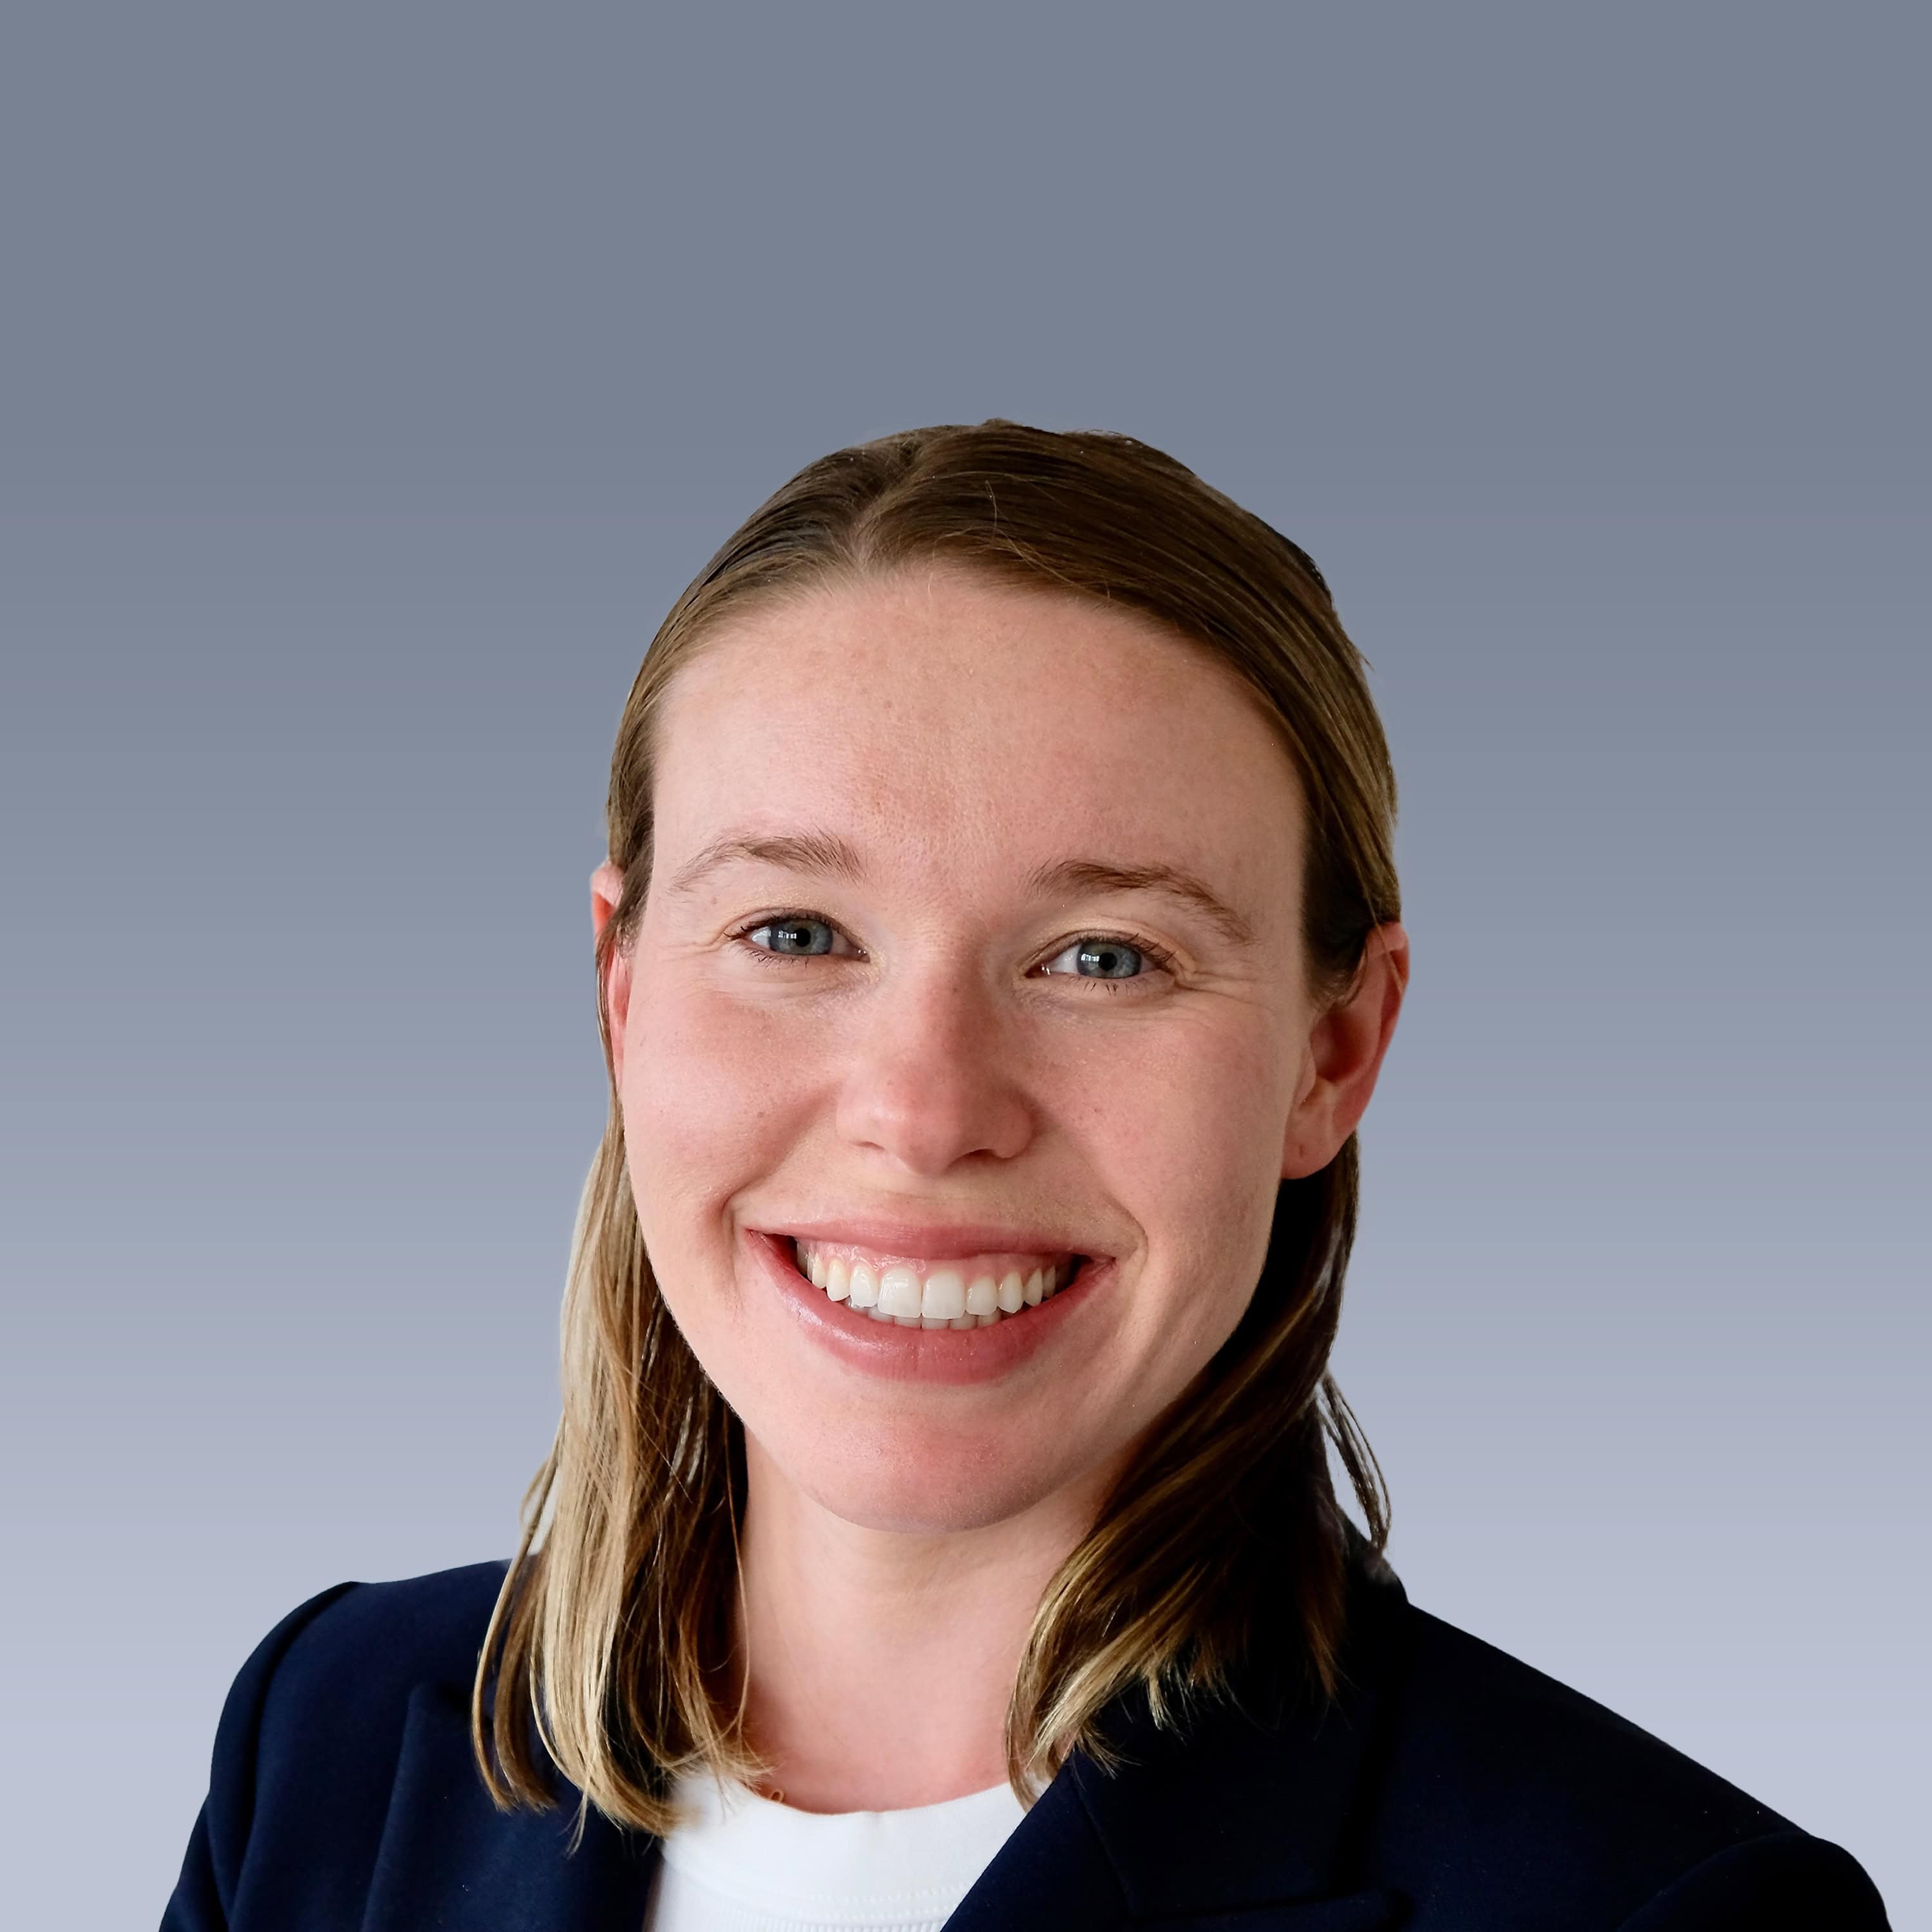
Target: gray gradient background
{"x":370,"y":381}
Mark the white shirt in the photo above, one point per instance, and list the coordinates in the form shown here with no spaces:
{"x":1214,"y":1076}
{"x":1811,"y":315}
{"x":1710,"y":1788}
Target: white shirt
{"x":745,"y":1864}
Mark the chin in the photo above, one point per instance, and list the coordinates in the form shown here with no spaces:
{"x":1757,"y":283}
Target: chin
{"x":885,"y":1488}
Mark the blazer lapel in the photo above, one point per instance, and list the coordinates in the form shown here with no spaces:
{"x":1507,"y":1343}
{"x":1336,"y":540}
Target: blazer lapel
{"x":1238,"y":1824}
{"x":450,"y":1860}
{"x":1052,"y":1875}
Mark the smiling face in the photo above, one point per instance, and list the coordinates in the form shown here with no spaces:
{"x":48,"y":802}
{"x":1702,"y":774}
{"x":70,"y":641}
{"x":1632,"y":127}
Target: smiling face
{"x":896,"y":994}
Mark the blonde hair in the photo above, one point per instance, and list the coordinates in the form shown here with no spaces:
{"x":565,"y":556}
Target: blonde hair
{"x":610,"y":1646}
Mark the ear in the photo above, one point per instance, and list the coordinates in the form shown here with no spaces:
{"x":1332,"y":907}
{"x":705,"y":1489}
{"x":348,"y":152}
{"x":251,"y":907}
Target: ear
{"x":606,"y":887}
{"x":1345,"y":1046}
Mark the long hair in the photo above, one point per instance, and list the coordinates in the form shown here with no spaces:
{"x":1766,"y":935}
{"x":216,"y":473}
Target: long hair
{"x":610,"y":1648}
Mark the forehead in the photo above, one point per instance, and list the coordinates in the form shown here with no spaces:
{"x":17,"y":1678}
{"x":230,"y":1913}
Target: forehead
{"x":961,"y":720}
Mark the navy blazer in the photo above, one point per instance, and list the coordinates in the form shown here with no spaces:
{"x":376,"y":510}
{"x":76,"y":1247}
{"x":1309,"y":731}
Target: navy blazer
{"x":1451,"y":1789}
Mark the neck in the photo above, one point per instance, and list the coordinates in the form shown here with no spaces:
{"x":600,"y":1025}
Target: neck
{"x":849,"y":1631}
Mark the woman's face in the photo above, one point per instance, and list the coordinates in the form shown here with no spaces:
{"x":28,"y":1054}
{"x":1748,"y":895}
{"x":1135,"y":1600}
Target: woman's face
{"x":971,"y":945}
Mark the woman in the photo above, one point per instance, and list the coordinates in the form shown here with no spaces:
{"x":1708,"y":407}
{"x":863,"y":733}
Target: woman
{"x":998,"y":948}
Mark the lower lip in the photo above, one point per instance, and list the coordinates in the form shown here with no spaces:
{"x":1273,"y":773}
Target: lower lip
{"x":954,"y":1355}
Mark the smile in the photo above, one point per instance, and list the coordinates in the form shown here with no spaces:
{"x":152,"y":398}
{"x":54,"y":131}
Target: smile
{"x":959,"y":1292}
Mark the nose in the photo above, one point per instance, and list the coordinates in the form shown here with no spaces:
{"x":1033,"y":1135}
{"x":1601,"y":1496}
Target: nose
{"x":935,"y":1079}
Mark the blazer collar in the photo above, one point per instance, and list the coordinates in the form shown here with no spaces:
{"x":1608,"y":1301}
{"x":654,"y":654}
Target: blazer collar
{"x":1239,"y":1823}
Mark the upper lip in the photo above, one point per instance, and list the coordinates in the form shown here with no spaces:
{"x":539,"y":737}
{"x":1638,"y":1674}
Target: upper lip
{"x":929,"y":1240}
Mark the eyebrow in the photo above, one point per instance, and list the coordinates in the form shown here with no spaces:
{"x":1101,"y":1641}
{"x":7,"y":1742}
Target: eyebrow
{"x":831,"y":856}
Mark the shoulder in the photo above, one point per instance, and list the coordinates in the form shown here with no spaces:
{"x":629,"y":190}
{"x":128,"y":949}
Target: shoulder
{"x":1499,"y":1781}
{"x":1499,"y":1731}
{"x":328,"y":1688}
{"x":313,"y":1726}
{"x":372,"y":1643}
{"x":330,"y":1684}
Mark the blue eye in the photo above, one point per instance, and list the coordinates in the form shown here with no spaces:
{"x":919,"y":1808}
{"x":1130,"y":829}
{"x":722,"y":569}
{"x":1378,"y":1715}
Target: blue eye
{"x":1097,"y":957}
{"x":794,"y":938}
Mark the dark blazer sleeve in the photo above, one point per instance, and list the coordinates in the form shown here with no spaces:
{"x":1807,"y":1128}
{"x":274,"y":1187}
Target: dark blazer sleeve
{"x":204,"y":1898}
{"x":1784,"y":1882}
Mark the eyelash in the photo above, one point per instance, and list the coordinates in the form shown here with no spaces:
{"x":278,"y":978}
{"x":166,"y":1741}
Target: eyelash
{"x":1150,"y":950}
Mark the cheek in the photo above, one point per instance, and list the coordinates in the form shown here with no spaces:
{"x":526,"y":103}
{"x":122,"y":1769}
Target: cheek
{"x":1193,"y":1141}
{"x":710,"y":1093}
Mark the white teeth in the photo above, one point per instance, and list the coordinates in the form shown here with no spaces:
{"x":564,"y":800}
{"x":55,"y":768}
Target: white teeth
{"x":898,"y":1290}
{"x":945,"y":1295}
{"x":943,"y":1299}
